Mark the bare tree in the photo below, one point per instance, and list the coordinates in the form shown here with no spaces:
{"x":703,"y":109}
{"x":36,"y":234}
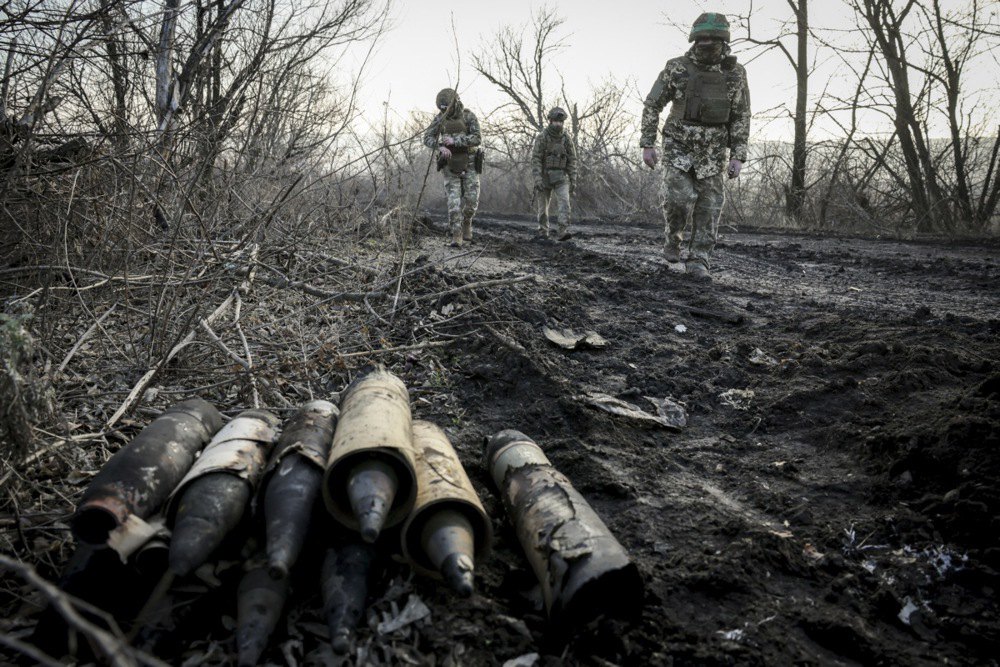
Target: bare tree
{"x":923,"y":52}
{"x":518,"y":62}
{"x":798,"y":57}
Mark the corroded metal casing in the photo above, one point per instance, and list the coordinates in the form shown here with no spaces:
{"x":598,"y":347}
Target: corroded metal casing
{"x":374,"y":426}
{"x":139,"y":478}
{"x":240,"y":448}
{"x":260,"y":601}
{"x":292,"y":481}
{"x":442,"y":484}
{"x":346,"y":574}
{"x":212,"y":498}
{"x":583,"y":570}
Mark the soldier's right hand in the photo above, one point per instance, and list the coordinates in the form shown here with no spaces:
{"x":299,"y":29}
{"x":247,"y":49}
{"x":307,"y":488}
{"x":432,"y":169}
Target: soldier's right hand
{"x":444,"y":153}
{"x":650,"y":156}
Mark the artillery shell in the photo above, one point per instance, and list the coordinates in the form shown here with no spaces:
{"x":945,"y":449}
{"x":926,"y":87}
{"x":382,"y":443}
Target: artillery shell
{"x":448,"y":530}
{"x":212,"y":498}
{"x":447,"y":542}
{"x":583,"y":570}
{"x":260,"y":601}
{"x":372,"y":455}
{"x":371,"y":488}
{"x":346,"y":575}
{"x":292,"y":483}
{"x":140,"y":476}
{"x":212,"y":506}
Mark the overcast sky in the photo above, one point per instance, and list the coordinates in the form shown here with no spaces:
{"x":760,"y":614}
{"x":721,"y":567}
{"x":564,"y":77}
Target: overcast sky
{"x":629,"y":40}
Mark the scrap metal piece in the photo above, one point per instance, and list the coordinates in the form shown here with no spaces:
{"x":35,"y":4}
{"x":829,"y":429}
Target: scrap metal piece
{"x":448,"y":530}
{"x":371,"y":468}
{"x":570,"y":340}
{"x":347,"y":573}
{"x":291,"y":484}
{"x":212,"y":499}
{"x":584,"y":572}
{"x":140,"y":476}
{"x":669,"y":413}
{"x":260,"y":601}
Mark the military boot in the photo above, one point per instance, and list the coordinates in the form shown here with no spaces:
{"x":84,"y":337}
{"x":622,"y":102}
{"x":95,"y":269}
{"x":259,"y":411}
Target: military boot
{"x":672,"y":253}
{"x":697,"y":270}
{"x":456,"y":237}
{"x":467,"y":230}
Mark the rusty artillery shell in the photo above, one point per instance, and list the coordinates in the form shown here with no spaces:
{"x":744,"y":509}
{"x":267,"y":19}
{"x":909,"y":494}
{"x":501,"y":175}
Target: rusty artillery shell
{"x":583,"y":570}
{"x":448,"y":530}
{"x":291,"y":484}
{"x":211,"y":500}
{"x":370,"y":482}
{"x":259,"y":603}
{"x":346,"y":575}
{"x":138,"y":479}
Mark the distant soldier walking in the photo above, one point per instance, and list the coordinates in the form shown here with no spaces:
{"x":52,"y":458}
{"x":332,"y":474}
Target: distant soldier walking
{"x":454,"y":134}
{"x":553,"y":167}
{"x":709,"y":117}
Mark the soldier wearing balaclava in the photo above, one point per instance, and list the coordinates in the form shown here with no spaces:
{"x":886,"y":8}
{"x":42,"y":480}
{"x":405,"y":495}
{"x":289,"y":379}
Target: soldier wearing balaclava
{"x":454,"y":136}
{"x":705,"y":135}
{"x":553,"y":171}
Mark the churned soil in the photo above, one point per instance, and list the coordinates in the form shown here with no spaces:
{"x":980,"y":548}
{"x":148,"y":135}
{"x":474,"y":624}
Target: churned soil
{"x":833,"y":498}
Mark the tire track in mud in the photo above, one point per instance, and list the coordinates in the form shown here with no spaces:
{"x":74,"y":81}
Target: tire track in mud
{"x":742,"y":524}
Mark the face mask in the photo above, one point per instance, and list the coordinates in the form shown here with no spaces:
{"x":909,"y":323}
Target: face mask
{"x":710,"y":53}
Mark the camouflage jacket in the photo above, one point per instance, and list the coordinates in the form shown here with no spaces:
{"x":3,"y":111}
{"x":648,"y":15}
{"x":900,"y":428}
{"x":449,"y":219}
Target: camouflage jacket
{"x":471,"y":138}
{"x":689,"y":145}
{"x":539,"y":151}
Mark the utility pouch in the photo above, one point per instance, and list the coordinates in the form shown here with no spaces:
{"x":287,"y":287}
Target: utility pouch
{"x":707,"y":99}
{"x":479,"y":160}
{"x":555,"y":176}
{"x":459,"y":161}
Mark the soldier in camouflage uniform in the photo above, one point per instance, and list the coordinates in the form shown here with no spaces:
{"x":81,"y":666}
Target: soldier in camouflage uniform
{"x":553,"y":168}
{"x":709,"y":117}
{"x":454,"y":134}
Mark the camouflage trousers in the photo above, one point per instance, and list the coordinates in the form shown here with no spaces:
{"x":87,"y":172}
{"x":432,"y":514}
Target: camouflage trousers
{"x":560,"y":208}
{"x":698,"y":200}
{"x":462,"y":191}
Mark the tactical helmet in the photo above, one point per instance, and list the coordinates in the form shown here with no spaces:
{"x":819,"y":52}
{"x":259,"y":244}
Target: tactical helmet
{"x":558,"y":113}
{"x":710,"y":24}
{"x":445,"y":98}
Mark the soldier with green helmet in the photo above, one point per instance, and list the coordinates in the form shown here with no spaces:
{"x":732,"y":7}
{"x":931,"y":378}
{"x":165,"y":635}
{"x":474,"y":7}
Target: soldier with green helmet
{"x":454,"y":136}
{"x":553,"y":169}
{"x":708,"y":124}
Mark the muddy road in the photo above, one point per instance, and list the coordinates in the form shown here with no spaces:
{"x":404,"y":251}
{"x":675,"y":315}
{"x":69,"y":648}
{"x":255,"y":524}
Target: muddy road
{"x":833,"y":498}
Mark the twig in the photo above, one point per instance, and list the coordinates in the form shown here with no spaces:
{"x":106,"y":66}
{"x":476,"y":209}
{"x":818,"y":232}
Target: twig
{"x":472,"y":286}
{"x":27,"y":649}
{"x":218,"y":341}
{"x":108,"y":645}
{"x":402,"y":348}
{"x":86,"y":335}
{"x":133,"y":397}
{"x":246,"y":348}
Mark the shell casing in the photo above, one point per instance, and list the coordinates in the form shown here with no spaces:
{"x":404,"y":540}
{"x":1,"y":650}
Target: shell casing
{"x":213,"y":497}
{"x":347,"y":571}
{"x":260,"y":601}
{"x":139,"y":478}
{"x":448,"y":530}
{"x":583,"y":570}
{"x":291,"y":484}
{"x":374,"y":425}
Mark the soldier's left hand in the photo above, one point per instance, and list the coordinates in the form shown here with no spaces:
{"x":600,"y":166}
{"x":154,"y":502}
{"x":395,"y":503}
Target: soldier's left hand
{"x":448,"y":141}
{"x":734,"y":168}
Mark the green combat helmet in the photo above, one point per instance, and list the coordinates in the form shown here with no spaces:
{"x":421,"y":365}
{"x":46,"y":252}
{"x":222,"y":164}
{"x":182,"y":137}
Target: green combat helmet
{"x":558,"y":113}
{"x":445,"y":98}
{"x":710,"y":24}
